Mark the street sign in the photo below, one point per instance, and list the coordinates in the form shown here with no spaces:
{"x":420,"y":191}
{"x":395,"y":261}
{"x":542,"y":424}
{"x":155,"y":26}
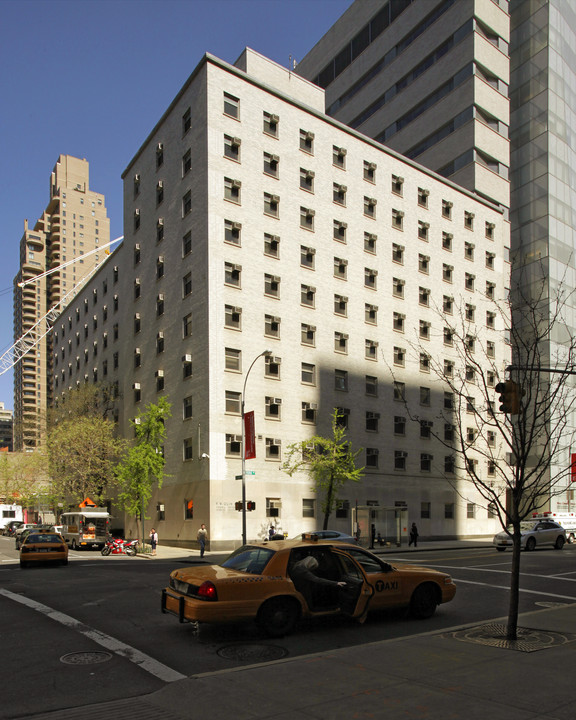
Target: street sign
{"x":238,"y":477}
{"x":250,"y":472}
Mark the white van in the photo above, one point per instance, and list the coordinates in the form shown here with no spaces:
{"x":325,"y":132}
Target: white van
{"x":566,"y":519}
{"x":83,"y":529}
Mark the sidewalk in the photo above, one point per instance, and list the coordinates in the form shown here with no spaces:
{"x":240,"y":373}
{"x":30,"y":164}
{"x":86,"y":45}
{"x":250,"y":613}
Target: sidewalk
{"x":453,"y":674}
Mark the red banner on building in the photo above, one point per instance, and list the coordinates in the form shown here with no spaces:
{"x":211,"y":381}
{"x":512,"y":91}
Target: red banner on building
{"x":249,"y":436}
{"x":573,"y":468}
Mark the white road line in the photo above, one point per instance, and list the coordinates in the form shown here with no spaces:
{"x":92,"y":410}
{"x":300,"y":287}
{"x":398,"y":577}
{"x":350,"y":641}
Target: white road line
{"x":522,"y":590}
{"x":506,"y":572}
{"x":161,"y":671}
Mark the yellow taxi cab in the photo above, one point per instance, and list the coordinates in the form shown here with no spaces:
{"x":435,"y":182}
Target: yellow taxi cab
{"x":43,"y":547}
{"x":264,"y":582}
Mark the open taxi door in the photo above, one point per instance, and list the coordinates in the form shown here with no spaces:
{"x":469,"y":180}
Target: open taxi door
{"x":355,"y":598}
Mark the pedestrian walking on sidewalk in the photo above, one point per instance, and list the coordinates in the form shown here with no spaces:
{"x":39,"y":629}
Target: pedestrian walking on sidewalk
{"x":413,"y":535}
{"x":202,"y":537}
{"x":153,"y":540}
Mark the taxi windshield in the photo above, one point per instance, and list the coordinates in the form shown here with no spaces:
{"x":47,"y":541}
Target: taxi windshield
{"x":249,"y":559}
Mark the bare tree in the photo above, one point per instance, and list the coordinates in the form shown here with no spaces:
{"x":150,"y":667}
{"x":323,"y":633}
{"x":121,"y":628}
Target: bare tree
{"x":516,"y":456}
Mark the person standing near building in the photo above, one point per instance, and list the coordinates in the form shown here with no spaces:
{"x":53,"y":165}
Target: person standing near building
{"x":413,"y":535}
{"x":202,"y":537}
{"x":153,"y":540}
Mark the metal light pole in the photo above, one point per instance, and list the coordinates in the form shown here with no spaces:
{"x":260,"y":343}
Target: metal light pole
{"x":266,"y":353}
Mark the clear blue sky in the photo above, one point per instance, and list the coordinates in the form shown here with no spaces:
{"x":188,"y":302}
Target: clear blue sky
{"x":90,"y":78}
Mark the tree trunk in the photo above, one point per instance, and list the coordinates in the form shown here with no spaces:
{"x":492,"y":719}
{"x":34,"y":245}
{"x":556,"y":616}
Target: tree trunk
{"x":328,"y":510}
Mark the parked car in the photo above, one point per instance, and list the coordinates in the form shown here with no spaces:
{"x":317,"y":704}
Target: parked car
{"x":533,"y":533}
{"x":331,"y":535}
{"x":258,"y":582}
{"x":10,"y":528}
{"x":43,"y":547}
{"x":21,"y":536}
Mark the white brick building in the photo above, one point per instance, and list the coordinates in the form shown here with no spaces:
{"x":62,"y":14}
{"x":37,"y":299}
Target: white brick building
{"x":253,"y":222}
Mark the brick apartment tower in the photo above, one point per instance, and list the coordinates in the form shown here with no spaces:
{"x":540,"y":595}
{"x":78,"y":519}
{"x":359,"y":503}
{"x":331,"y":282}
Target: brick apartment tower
{"x":73,"y":224}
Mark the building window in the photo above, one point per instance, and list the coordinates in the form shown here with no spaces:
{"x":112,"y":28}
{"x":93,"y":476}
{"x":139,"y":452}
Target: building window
{"x":469,"y":220}
{"x":307,"y":218}
{"x":232,"y":274}
{"x":309,"y":411}
{"x":370,"y":278}
{"x":308,"y":508}
{"x":447,"y":273}
{"x":371,"y":385}
{"x":273,"y":449}
{"x":271,"y":164}
{"x":340,"y":268}
{"x":308,"y":335}
{"x":232,"y":190}
{"x":271,"y":245}
{"x":160,"y":343}
{"x":187,"y":408}
{"x":425,"y":395}
{"x":272,"y":326}
{"x":371,"y":349}
{"x":397,"y":184}
{"x":136,"y":322}
{"x":425,"y":510}
{"x":271,"y":205}
{"x":159,"y":267}
{"x":186,"y":284}
{"x":397,"y":219}
{"x":136,"y":219}
{"x":186,"y":162}
{"x":270,"y":124}
{"x":308,"y":373}
{"x":307,"y":180}
{"x":339,"y":232}
{"x":424,"y":296}
{"x":400,"y":459}
{"x":490,"y":227}
{"x":370,"y":207}
{"x":186,"y":367}
{"x":399,"y":391}
{"x":424,"y":264}
{"x":398,"y":321}
{"x":424,"y":362}
{"x":307,"y":295}
{"x":372,"y":419}
{"x":187,"y":325}
{"x":160,"y":230}
{"x":233,"y":402}
{"x":273,"y":408}
{"x":233,"y":317}
{"x":231,"y":106}
{"x":136,"y":186}
{"x":426,"y":462}
{"x":186,"y":203}
{"x":370,"y":171}
{"x":186,"y":121}
{"x":341,"y":380}
{"x":232,"y":232}
{"x":400,"y":356}
{"x":371,"y":314}
{"x":159,"y":192}
{"x":399,"y":425}
{"x":187,"y":450}
{"x":423,"y":230}
{"x":340,"y":305}
{"x":339,"y":194}
{"x":490,"y":260}
{"x":160,"y":304}
{"x":470,"y":511}
{"x":307,"y":257}
{"x":340,"y":342}
{"x":339,"y":157}
{"x":447,"y":209}
{"x":425,"y":429}
{"x":447,"y":241}
{"x":398,"y":254}
{"x":423,"y":197}
{"x":159,"y":155}
{"x":370,"y":242}
{"x":372,"y":458}
{"x":233,"y":360}
{"x":307,"y":141}
{"x":469,"y":312}
{"x":398,"y":287}
{"x":469,"y":251}
{"x":232,"y":147}
{"x":159,"y":380}
{"x":271,"y":285}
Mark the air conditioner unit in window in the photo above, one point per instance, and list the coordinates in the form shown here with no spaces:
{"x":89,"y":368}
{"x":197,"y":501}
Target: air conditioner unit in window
{"x":159,"y":373}
{"x":274,"y":119}
{"x":159,"y":147}
{"x":275,"y":199}
{"x":236,"y":310}
{"x":160,"y":222}
{"x":276,"y":441}
{"x":136,"y":386}
{"x":309,"y":136}
{"x":236,"y":226}
{"x":160,"y":335}
{"x":160,"y":184}
{"x":274,"y":159}
{"x":160,"y":297}
{"x":186,"y":358}
{"x":313,"y":406}
{"x":236,"y":183}
{"x":236,"y":141}
{"x":276,"y":360}
{"x":277,"y":401}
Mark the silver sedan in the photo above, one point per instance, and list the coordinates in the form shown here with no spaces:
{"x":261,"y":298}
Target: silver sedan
{"x":539,"y":532}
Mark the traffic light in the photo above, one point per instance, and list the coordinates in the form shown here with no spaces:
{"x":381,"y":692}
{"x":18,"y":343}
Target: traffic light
{"x":250,"y":505}
{"x":238,"y":505}
{"x":510,"y":394}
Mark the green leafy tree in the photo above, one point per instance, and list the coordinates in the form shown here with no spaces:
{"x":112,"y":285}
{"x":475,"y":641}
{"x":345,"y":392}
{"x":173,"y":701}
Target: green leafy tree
{"x":143,"y":465}
{"x":22,"y":477}
{"x":82,"y":446}
{"x":330,"y":462}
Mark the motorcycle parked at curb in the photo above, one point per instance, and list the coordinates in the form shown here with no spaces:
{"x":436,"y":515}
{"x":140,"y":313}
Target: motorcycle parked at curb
{"x":119,"y":546}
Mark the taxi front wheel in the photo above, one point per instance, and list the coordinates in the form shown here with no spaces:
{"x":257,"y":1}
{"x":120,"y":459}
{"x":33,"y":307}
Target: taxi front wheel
{"x":277,"y":617}
{"x":424,"y":601}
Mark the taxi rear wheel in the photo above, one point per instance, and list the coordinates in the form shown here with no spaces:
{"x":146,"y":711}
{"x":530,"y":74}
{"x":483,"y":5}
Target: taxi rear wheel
{"x":277,"y":617}
{"x":424,"y":601}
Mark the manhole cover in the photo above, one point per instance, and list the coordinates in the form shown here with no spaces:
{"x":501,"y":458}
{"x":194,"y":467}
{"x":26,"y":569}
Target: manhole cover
{"x":85,"y":658}
{"x":252,"y":653}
